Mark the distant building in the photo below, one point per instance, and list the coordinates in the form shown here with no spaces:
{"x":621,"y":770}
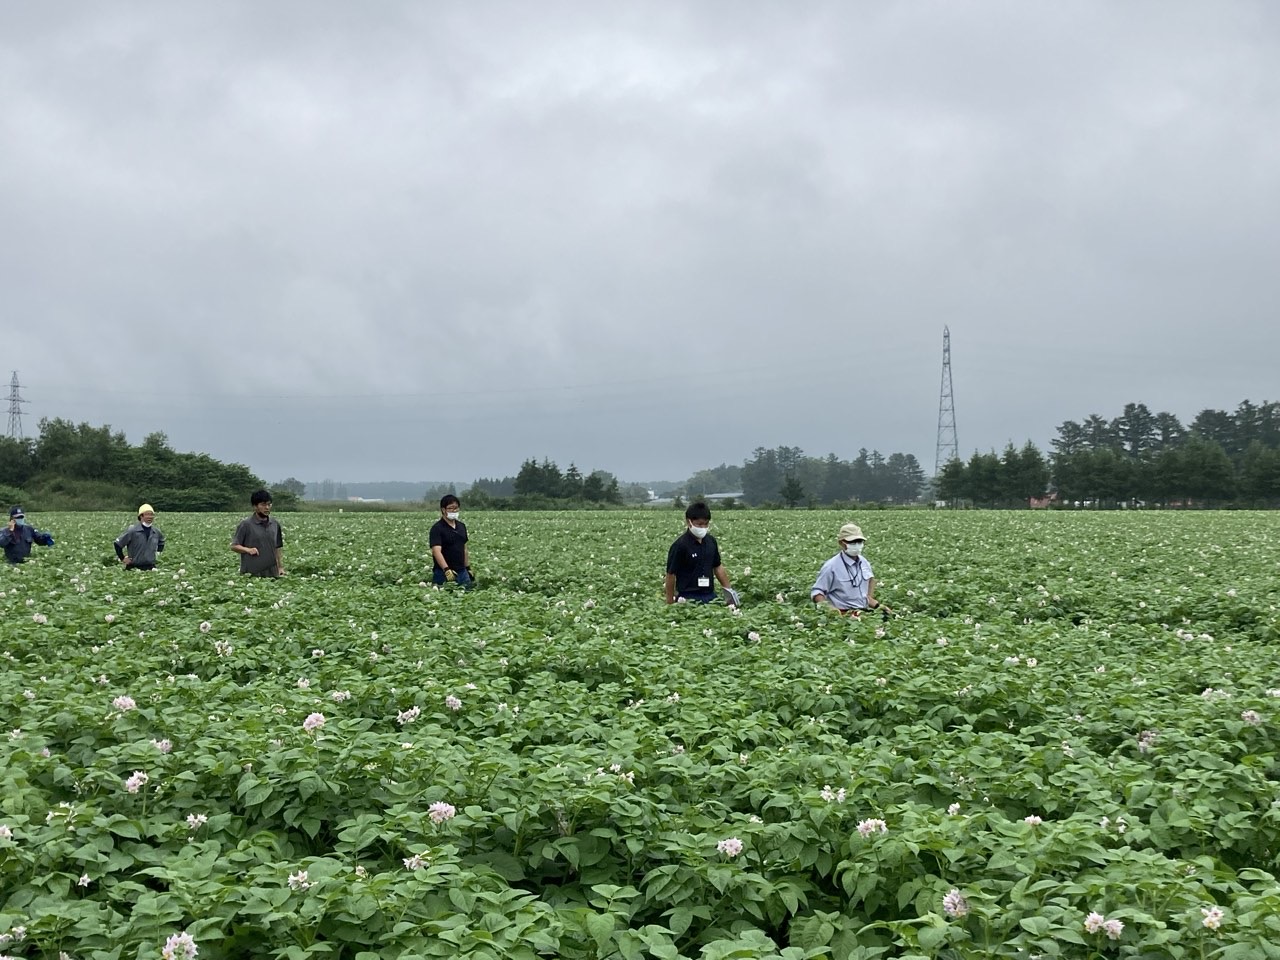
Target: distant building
{"x":737,"y":495}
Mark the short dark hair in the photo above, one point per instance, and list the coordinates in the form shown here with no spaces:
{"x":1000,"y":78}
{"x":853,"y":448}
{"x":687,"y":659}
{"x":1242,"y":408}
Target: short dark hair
{"x":447,"y":499}
{"x":259,"y":496}
{"x":697,"y":511}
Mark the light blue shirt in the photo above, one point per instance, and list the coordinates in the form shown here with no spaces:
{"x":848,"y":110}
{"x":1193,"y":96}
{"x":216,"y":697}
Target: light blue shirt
{"x":844,"y":581}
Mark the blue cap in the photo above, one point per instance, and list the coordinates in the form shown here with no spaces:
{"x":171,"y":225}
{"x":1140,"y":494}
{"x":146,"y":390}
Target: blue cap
{"x":16,"y":512}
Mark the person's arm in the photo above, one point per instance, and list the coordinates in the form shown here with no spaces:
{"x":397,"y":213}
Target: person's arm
{"x":237,"y":542}
{"x":466,"y":558}
{"x":6,"y":535}
{"x":673,"y":562}
{"x":45,"y":538}
{"x":279,"y":550}
{"x":718,"y":570}
{"x":435,"y":540}
{"x":159,"y":542}
{"x":872,"y":602}
{"x":818,"y":592}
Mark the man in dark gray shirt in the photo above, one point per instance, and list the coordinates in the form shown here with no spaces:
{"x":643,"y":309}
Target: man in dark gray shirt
{"x":137,"y":547}
{"x":259,"y":540}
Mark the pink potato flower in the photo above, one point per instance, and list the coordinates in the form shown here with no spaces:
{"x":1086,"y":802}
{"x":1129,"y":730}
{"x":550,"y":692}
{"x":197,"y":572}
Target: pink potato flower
{"x":954,"y":904}
{"x":180,"y":946}
{"x":440,"y":811}
{"x":730,"y":847}
{"x":136,"y":782}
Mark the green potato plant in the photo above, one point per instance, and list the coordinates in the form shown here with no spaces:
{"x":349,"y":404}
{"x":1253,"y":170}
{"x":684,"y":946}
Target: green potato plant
{"x":1061,"y":746}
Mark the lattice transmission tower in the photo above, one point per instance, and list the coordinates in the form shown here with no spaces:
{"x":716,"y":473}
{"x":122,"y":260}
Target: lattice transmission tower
{"x":15,"y":407}
{"x":948,"y":446}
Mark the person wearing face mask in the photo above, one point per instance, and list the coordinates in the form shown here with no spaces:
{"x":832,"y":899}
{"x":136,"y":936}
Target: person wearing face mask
{"x":845,"y":583}
{"x":448,"y":541}
{"x":259,"y":539}
{"x":137,"y":547}
{"x":18,"y":537}
{"x":694,"y":559}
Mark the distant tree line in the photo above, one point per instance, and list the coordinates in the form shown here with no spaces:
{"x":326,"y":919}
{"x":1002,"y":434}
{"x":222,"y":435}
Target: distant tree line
{"x":784,"y":475}
{"x":1139,"y":456}
{"x":542,"y":485}
{"x":81,"y":467}
{"x":987,"y":480}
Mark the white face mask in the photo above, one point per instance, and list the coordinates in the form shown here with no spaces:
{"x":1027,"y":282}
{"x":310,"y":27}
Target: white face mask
{"x":453,"y":515}
{"x":698,"y":532}
{"x":853,"y":549}
{"x":146,"y":523}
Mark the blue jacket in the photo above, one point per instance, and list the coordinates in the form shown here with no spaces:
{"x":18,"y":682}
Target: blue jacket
{"x":17,"y":542}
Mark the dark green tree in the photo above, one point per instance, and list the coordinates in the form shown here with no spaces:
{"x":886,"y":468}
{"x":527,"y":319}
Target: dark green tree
{"x":792,"y":491}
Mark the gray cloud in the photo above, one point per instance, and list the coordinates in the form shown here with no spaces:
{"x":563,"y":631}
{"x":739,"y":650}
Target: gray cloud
{"x":411,"y":240}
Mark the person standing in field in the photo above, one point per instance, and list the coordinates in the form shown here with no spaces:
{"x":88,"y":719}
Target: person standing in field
{"x":18,"y":537}
{"x":694,"y":559}
{"x":259,"y":540}
{"x":845,"y":583}
{"x":137,"y":547}
{"x":448,"y":542}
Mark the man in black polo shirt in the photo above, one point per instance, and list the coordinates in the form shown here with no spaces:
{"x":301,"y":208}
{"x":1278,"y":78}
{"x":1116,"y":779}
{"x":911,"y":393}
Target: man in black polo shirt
{"x":448,"y":541}
{"x":694,"y":559}
{"x":259,"y":540}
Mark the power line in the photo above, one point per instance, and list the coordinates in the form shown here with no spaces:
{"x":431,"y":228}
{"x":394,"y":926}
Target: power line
{"x":15,"y":408}
{"x":948,"y":447}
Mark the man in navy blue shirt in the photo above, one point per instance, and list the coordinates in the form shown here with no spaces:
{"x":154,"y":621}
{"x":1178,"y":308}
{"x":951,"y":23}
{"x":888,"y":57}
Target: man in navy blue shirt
{"x":448,"y":542}
{"x":694,"y":559}
{"x":19,"y":536}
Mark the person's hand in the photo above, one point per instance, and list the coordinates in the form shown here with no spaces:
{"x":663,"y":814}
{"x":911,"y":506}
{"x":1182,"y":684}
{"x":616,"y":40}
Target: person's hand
{"x":13,"y":525}
{"x":279,"y":571}
{"x":251,"y":551}
{"x":450,"y":575}
{"x":127,"y":561}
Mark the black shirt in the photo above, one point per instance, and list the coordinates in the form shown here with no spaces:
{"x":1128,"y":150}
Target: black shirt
{"x":691,"y":559}
{"x":452,"y":542}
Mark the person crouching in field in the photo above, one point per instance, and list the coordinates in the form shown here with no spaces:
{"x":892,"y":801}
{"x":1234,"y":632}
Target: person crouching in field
{"x":18,"y":537}
{"x":694,"y":559}
{"x":137,"y":547}
{"x":259,"y":540}
{"x":448,"y":542}
{"x":845,"y":583}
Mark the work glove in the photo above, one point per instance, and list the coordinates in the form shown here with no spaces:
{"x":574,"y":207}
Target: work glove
{"x":450,"y":575}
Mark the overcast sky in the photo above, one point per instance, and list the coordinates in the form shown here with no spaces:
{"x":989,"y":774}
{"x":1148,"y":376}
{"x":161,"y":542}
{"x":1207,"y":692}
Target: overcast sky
{"x":410,"y":240}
